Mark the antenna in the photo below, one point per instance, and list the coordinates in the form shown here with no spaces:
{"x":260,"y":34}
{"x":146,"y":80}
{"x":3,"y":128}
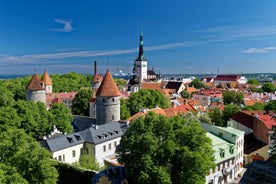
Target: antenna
{"x":35,"y":70}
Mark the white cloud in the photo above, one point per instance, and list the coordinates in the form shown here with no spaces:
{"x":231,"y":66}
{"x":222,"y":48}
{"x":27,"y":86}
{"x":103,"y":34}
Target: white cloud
{"x":67,"y":25}
{"x":259,"y":50}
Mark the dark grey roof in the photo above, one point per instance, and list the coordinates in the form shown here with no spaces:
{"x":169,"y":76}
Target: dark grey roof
{"x":82,"y":122}
{"x":102,"y":133}
{"x":62,"y":142}
{"x":173,"y":85}
{"x":151,"y":72}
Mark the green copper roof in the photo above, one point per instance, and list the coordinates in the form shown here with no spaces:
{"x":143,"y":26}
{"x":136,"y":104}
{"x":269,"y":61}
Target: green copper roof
{"x":222,"y":148}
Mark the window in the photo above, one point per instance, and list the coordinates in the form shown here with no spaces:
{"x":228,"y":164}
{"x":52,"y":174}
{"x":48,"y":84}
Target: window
{"x":104,"y":148}
{"x":220,"y":134}
{"x":103,"y":100}
{"x":112,"y":116}
{"x":59,"y":158}
{"x":231,"y":149}
{"x":109,"y":146}
{"x":73,"y":153}
{"x":222,"y":153}
{"x":63,"y":157}
{"x":113,"y":100}
{"x":115,"y":144}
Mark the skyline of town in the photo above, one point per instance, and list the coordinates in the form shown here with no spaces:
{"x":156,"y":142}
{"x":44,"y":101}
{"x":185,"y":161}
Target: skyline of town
{"x":194,"y":37}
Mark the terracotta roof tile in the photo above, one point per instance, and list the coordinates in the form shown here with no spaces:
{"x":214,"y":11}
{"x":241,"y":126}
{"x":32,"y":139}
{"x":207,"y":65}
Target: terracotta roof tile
{"x":97,"y":78}
{"x":35,"y":84}
{"x":108,"y":87}
{"x":46,"y":78}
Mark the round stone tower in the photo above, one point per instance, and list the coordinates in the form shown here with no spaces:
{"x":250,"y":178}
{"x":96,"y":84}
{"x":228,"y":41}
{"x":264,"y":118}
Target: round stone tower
{"x":107,"y":101}
{"x":35,"y":90}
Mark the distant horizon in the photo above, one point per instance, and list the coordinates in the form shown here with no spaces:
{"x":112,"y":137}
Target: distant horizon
{"x":181,"y":37}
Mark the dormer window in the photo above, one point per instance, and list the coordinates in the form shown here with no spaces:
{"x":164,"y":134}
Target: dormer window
{"x":70,"y":139}
{"x":222,"y":153}
{"x":231,"y":149}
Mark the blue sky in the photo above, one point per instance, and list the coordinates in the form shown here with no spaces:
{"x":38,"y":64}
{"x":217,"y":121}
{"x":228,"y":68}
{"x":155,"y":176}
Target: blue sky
{"x":180,"y":36}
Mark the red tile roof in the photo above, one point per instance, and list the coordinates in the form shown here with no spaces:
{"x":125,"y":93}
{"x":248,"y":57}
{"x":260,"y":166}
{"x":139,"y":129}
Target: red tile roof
{"x":227,"y":77}
{"x":97,"y":78}
{"x":268,"y":120}
{"x":46,"y":78}
{"x":35,"y":84}
{"x":108,"y":87}
{"x":169,"y":112}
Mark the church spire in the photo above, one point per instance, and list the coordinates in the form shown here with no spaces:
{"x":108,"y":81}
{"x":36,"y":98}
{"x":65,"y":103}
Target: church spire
{"x":141,"y":47}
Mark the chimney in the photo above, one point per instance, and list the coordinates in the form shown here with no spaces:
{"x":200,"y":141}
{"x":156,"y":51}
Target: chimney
{"x":95,"y":68}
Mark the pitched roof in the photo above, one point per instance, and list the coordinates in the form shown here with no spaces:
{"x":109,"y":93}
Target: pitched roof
{"x":62,"y":142}
{"x":46,"y":78}
{"x":244,"y":118}
{"x":35,"y":84}
{"x":169,"y":112}
{"x":108,"y":87}
{"x":97,"y":78}
{"x":227,"y":78}
{"x":174,"y":85}
{"x":102,"y":133}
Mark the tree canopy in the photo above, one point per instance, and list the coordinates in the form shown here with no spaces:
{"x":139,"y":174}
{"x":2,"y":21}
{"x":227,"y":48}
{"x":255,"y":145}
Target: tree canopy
{"x":147,"y":98}
{"x":232,"y":97}
{"x":196,"y":83}
{"x":253,"y":82}
{"x":24,"y":159}
{"x":268,"y":87}
{"x":228,"y":111}
{"x":158,"y":149}
{"x":216,"y":116}
{"x":80,"y":104}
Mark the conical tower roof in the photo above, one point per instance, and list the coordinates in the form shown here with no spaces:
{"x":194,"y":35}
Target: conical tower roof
{"x":35,"y":84}
{"x":46,"y":78}
{"x":108,"y":86}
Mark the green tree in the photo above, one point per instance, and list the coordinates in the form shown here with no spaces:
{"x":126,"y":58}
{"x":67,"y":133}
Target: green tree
{"x":253,"y":82}
{"x":232,"y":97}
{"x":35,"y":119}
{"x":268,"y":87}
{"x":270,"y":106}
{"x":9,"y":174}
{"x":69,"y":82}
{"x":124,"y":111}
{"x":216,"y":116}
{"x":228,"y":111}
{"x":185,"y":94}
{"x":147,"y":98}
{"x":205,"y":118}
{"x":256,"y":106}
{"x":20,"y":152}
{"x":62,"y":117}
{"x":196,"y":83}
{"x":9,"y":118}
{"x":6,"y":97}
{"x":80,"y":104}
{"x":88,"y":162}
{"x":166,"y":150}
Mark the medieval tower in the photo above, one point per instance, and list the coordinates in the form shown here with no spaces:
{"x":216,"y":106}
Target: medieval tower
{"x":47,"y":82}
{"x":97,"y":79}
{"x":35,"y":90}
{"x":107,"y":101}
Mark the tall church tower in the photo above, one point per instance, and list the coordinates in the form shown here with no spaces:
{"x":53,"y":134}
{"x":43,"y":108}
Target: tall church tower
{"x":140,"y":63}
{"x":107,"y":101}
